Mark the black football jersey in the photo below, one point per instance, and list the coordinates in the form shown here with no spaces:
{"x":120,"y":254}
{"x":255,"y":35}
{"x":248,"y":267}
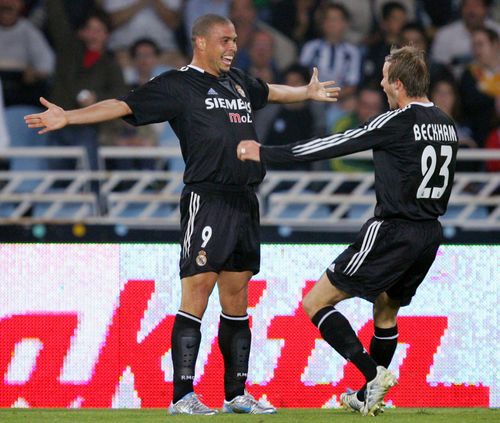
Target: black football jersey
{"x":209,"y":115}
{"x":414,"y":155}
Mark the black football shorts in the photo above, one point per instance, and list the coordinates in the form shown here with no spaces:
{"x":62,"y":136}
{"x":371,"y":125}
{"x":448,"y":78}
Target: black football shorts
{"x":220,"y":230}
{"x":391,"y":255}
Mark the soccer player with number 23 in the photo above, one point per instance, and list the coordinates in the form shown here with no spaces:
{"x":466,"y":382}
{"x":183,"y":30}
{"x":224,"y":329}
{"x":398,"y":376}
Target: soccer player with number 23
{"x":414,"y":152}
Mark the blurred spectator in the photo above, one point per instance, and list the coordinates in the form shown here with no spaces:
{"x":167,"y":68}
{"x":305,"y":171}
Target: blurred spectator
{"x":453,"y":43}
{"x":361,"y":20}
{"x":135,"y":19}
{"x":295,"y":19}
{"x":278,"y":124}
{"x":26,"y":59}
{"x":193,"y":9}
{"x":261,"y":54}
{"x":130,"y":136}
{"x":4,"y":136}
{"x":480,"y":83}
{"x":368,"y":102}
{"x":493,"y":142}
{"x":86,"y":73}
{"x":394,"y":18}
{"x":410,"y":6}
{"x":495,"y":11}
{"x":440,"y":12}
{"x":244,"y":16}
{"x":145,"y":63}
{"x":444,"y":94}
{"x":76,"y":11}
{"x":486,"y":51}
{"x":337,"y":60}
{"x":414,"y":34}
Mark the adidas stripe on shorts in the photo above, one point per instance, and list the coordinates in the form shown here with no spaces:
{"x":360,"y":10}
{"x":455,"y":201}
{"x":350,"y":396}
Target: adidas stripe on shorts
{"x":388,"y":255}
{"x":219,"y":231}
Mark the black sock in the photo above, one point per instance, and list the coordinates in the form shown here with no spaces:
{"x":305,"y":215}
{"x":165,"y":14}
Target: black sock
{"x":234,"y":342}
{"x":382,"y":348}
{"x":186,"y":338}
{"x":383,"y":345}
{"x":337,"y":331}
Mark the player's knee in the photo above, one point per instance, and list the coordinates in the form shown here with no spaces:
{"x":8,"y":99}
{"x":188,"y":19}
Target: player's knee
{"x":310,"y":306}
{"x":196,"y":300}
{"x":201,"y":296}
{"x":385,"y":320}
{"x":385,"y":317}
{"x":385,"y":311}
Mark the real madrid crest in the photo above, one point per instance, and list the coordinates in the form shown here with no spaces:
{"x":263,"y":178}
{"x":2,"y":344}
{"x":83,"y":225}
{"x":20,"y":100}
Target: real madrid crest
{"x":201,"y":258}
{"x":240,"y":90}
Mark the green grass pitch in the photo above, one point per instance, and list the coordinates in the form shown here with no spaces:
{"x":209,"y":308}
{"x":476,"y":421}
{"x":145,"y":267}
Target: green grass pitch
{"x":400,"y":415}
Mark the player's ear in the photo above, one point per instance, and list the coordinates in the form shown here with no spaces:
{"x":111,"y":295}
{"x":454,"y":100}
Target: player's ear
{"x":201,"y":43}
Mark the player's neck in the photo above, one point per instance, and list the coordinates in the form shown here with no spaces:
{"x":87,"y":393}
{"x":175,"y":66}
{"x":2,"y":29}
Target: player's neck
{"x":403,"y":102}
{"x":202,"y":65}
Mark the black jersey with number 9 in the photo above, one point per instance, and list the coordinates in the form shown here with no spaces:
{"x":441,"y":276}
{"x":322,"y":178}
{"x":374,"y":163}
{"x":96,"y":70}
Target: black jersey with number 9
{"x":209,"y":115}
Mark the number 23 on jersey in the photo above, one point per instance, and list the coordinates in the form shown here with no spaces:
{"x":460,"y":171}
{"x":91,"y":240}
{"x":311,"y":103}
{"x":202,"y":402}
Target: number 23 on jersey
{"x":432,"y":186}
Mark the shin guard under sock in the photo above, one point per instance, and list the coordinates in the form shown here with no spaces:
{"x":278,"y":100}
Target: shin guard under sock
{"x":234,"y":343}
{"x":186,"y":338}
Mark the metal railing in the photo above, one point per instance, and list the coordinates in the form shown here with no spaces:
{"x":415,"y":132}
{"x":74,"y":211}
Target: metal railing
{"x":149,"y":198}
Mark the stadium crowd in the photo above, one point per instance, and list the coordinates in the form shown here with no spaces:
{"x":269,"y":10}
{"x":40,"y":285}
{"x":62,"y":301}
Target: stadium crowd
{"x":78,"y":53}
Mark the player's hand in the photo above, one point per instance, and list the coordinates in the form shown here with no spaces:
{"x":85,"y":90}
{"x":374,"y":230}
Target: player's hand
{"x":53,"y":118}
{"x":248,"y":150}
{"x":322,"y":91}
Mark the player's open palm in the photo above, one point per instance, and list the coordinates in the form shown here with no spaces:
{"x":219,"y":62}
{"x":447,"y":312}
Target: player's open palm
{"x":322,"y":91}
{"x":53,"y":118}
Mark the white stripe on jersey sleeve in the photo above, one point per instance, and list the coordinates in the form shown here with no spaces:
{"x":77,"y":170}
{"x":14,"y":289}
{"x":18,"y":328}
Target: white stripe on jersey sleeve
{"x":320,"y":144}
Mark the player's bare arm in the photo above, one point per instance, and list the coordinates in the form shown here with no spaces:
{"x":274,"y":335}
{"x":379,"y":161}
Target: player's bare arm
{"x":56,"y":117}
{"x":315,"y":90}
{"x":249,"y":150}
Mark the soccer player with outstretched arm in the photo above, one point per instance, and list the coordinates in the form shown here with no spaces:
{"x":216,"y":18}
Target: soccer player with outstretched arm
{"x":414,"y":152}
{"x":210,"y":106}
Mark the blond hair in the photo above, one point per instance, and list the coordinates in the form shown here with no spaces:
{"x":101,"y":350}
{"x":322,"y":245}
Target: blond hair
{"x":409,"y":66}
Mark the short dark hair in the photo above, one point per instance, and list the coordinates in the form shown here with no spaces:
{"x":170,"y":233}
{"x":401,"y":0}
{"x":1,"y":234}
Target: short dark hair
{"x":390,"y":7}
{"x":204,"y":23}
{"x":490,"y":33}
{"x":299,"y":69}
{"x":144,"y":41}
{"x":100,"y":15}
{"x":456,"y":109}
{"x":486,"y":3}
{"x":371,"y":85}
{"x":341,"y":8}
{"x":415,"y":26}
{"x":409,"y":66}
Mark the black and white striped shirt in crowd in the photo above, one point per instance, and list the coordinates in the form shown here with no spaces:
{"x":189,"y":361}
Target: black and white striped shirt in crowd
{"x":336,"y":62}
{"x":414,"y":155}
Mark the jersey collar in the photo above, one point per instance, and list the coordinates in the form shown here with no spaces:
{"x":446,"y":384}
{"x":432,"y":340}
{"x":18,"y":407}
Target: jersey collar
{"x":196,"y":68}
{"x":418,"y":103}
{"x":200,"y":70}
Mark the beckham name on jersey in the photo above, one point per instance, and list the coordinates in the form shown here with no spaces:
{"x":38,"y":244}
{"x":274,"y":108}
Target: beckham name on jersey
{"x":434,"y":132}
{"x":234,"y":104}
